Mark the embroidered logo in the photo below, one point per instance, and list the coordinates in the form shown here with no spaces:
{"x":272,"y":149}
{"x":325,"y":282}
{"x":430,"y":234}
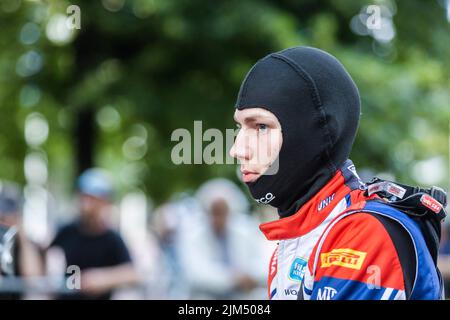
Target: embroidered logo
{"x":326,"y":293}
{"x":325,"y":202}
{"x":347,"y":258}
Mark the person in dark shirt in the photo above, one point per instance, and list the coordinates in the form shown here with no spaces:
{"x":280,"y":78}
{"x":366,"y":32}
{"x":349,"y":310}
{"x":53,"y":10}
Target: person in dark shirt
{"x":92,"y":245}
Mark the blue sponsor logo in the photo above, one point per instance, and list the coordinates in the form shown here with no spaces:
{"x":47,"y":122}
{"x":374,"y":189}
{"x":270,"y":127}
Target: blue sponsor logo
{"x":298,"y":268}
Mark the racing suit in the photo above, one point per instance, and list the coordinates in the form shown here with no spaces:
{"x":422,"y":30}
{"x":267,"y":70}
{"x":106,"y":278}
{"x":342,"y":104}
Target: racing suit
{"x":339,"y":246}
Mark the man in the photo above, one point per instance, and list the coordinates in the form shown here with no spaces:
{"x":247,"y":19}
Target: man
{"x":298,"y":112}
{"x":92,"y":245}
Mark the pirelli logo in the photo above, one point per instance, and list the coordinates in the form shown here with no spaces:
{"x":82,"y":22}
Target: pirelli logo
{"x":347,"y":258}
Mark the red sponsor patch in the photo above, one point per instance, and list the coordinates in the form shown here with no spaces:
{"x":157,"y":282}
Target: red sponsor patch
{"x":395,"y":190}
{"x":431,"y":203}
{"x":388,"y":187}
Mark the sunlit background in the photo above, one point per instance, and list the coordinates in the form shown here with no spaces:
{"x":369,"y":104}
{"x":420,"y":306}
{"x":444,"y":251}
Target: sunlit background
{"x":111,"y":93}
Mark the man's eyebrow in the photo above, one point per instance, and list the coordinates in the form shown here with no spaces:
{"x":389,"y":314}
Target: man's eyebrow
{"x":256,"y":118}
{"x":247,"y":119}
{"x":253,"y":118}
{"x":250,"y":119}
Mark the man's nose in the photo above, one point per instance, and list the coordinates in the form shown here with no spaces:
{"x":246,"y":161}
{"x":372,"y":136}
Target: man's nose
{"x":240,"y":149}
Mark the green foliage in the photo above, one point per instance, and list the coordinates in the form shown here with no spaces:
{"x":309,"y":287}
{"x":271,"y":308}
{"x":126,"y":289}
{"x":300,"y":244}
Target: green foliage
{"x":156,"y":65}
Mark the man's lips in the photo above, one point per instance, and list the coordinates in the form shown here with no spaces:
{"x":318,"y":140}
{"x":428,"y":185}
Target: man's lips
{"x":249,"y":176}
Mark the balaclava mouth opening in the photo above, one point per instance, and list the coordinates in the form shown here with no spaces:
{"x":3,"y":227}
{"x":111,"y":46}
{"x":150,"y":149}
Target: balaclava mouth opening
{"x":318,"y":106}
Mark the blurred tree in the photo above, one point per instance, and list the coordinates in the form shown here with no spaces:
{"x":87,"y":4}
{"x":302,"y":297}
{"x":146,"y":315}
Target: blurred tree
{"x":113,"y":91}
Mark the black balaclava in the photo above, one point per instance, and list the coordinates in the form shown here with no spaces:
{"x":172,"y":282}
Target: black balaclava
{"x":318,"y":106}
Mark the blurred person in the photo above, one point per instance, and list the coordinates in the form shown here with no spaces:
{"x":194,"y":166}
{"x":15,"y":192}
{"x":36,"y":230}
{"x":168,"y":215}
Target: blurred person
{"x":298,"y":111}
{"x":223,"y":255}
{"x":444,"y":257}
{"x":167,"y":226}
{"x":91,"y":244}
{"x":20,"y":257}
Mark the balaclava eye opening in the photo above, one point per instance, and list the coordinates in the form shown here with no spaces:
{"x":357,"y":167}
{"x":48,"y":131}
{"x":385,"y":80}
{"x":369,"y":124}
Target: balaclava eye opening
{"x":318,"y":106}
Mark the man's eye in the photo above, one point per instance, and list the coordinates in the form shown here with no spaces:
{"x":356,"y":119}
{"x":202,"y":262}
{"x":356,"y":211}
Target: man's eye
{"x":262,"y":127}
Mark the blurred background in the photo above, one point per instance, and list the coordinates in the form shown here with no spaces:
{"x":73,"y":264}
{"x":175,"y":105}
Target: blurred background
{"x":110,"y":93}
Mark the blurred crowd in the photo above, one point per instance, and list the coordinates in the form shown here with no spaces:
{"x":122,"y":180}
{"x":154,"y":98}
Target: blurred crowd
{"x":205,"y":245}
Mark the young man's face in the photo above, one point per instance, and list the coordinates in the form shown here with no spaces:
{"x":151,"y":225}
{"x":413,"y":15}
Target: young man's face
{"x":258,"y":142}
